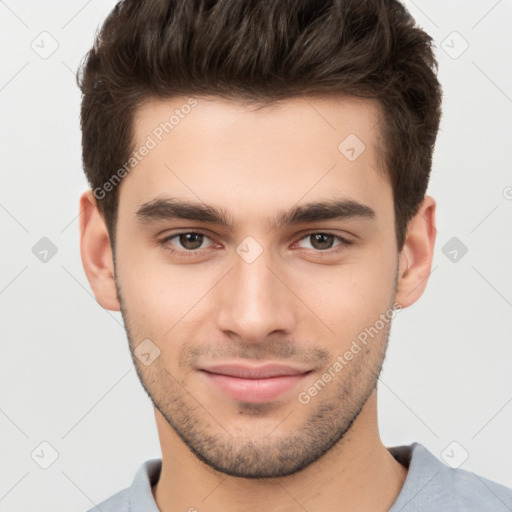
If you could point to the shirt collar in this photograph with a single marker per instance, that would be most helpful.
(141, 496)
(423, 467)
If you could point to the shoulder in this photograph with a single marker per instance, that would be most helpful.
(119, 502)
(138, 497)
(432, 485)
(466, 490)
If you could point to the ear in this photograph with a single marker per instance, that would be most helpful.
(415, 258)
(96, 253)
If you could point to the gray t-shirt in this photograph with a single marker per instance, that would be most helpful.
(430, 486)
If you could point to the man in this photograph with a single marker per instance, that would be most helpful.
(258, 214)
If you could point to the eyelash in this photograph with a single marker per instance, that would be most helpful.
(191, 253)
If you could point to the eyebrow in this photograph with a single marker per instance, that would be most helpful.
(165, 209)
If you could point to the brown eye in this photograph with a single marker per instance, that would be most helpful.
(186, 243)
(191, 241)
(322, 241)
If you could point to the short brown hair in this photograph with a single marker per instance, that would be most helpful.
(262, 51)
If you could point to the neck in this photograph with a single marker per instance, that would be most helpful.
(357, 474)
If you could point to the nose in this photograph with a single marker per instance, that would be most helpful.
(254, 301)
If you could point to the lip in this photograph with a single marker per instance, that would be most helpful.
(256, 384)
(263, 371)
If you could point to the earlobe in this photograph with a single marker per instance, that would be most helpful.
(96, 253)
(415, 260)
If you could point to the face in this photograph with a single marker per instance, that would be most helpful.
(224, 265)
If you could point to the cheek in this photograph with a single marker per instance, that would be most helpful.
(165, 302)
(350, 297)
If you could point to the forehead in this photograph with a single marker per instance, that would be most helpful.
(254, 160)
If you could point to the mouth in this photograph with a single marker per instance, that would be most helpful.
(255, 384)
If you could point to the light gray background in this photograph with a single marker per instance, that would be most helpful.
(66, 374)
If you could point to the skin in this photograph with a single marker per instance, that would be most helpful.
(296, 303)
